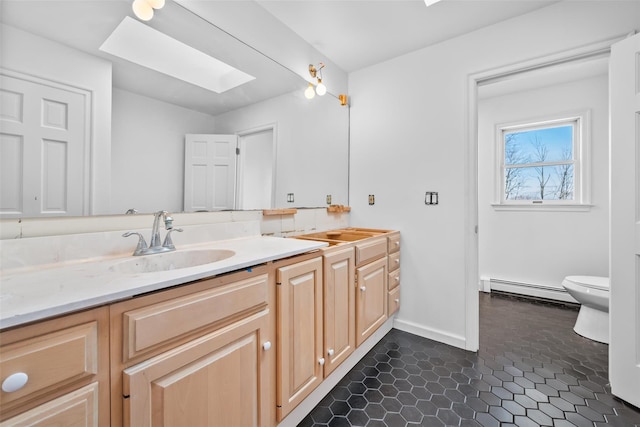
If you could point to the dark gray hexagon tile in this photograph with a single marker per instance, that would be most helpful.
(531, 370)
(375, 411)
(411, 414)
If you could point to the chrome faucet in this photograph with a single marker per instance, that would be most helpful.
(155, 247)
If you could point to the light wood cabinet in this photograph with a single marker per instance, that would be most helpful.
(65, 370)
(216, 380)
(202, 354)
(339, 307)
(371, 298)
(300, 332)
(393, 298)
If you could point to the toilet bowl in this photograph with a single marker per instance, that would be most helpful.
(592, 292)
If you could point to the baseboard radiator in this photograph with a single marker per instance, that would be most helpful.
(522, 288)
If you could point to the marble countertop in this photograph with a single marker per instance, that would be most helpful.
(41, 292)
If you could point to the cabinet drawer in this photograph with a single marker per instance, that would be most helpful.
(394, 279)
(394, 243)
(370, 250)
(393, 300)
(151, 326)
(50, 361)
(394, 261)
(78, 408)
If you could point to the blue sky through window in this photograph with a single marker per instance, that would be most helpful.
(531, 151)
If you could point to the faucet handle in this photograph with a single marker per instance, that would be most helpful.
(142, 244)
(168, 243)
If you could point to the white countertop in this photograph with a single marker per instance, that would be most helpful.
(37, 293)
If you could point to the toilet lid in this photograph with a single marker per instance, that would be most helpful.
(595, 282)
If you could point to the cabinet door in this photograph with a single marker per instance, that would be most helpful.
(219, 379)
(339, 308)
(299, 324)
(371, 298)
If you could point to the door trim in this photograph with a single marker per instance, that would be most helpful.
(273, 127)
(88, 147)
(472, 275)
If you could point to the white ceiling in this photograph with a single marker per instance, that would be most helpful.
(357, 33)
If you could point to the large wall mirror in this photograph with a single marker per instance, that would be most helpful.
(87, 130)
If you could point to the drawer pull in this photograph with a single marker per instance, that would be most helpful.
(397, 243)
(14, 382)
(398, 279)
(397, 261)
(330, 352)
(397, 301)
(321, 361)
(363, 288)
(266, 345)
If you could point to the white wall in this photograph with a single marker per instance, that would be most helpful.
(312, 144)
(409, 135)
(148, 148)
(541, 247)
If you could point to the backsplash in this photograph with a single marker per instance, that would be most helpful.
(37, 242)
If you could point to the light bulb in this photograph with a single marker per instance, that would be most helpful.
(309, 92)
(321, 89)
(142, 9)
(156, 4)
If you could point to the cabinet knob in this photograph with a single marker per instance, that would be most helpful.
(363, 288)
(321, 361)
(330, 352)
(397, 261)
(397, 278)
(14, 382)
(397, 243)
(266, 345)
(397, 301)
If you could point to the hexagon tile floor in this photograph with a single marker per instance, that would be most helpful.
(531, 370)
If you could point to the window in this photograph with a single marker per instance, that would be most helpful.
(543, 163)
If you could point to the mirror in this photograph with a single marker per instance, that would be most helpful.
(135, 119)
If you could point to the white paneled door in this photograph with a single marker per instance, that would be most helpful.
(43, 144)
(624, 347)
(209, 172)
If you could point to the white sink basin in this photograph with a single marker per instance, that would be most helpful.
(171, 260)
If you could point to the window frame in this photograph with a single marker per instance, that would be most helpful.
(581, 122)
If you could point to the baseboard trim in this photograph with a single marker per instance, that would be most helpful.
(430, 333)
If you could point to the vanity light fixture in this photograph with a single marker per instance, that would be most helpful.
(309, 93)
(143, 9)
(430, 2)
(316, 73)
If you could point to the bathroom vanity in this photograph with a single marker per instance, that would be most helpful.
(238, 341)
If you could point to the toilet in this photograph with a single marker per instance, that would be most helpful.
(592, 292)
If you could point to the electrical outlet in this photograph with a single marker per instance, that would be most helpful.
(372, 199)
(431, 198)
(328, 199)
(290, 197)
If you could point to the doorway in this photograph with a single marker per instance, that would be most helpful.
(476, 81)
(256, 171)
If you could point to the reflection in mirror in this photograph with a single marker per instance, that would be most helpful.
(86, 132)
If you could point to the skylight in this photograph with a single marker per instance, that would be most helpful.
(145, 46)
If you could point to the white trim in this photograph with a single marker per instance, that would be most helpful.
(89, 141)
(472, 275)
(542, 207)
(431, 333)
(273, 127)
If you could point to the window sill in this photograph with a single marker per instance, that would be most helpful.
(538, 207)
